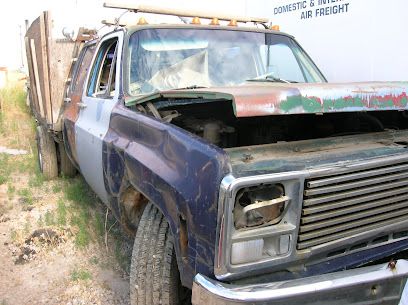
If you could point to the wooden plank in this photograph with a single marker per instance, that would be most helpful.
(37, 78)
(48, 30)
(60, 60)
(60, 53)
(33, 88)
(45, 71)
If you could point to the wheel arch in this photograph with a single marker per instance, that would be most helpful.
(132, 201)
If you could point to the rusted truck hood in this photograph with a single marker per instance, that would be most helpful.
(267, 98)
(302, 155)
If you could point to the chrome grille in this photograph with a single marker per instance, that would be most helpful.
(343, 205)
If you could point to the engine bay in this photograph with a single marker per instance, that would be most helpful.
(215, 122)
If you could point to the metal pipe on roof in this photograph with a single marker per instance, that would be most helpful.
(180, 13)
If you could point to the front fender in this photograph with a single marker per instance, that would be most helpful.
(177, 171)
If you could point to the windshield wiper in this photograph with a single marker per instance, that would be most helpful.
(188, 87)
(269, 78)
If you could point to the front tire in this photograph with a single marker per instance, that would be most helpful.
(154, 276)
(47, 153)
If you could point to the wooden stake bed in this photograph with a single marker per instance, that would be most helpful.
(49, 63)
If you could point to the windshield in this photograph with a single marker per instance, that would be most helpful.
(162, 59)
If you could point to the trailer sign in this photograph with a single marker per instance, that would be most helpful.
(314, 8)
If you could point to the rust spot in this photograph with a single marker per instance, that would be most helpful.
(392, 264)
(374, 290)
(132, 204)
(247, 158)
(183, 237)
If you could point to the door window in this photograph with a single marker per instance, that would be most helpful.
(102, 81)
(81, 69)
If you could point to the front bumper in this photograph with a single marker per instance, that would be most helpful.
(377, 284)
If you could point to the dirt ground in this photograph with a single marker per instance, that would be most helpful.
(58, 243)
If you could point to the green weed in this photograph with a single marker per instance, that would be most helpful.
(56, 188)
(99, 226)
(40, 222)
(80, 275)
(27, 226)
(83, 236)
(5, 169)
(49, 218)
(94, 260)
(2, 129)
(82, 198)
(79, 193)
(11, 189)
(14, 97)
(13, 235)
(26, 196)
(61, 213)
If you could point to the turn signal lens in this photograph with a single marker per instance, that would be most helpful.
(246, 251)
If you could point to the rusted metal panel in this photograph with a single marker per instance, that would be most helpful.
(266, 98)
(181, 174)
(301, 155)
(71, 109)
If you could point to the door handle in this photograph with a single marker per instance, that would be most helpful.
(82, 105)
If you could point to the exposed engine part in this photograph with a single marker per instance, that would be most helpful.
(214, 131)
(216, 122)
(168, 116)
(153, 110)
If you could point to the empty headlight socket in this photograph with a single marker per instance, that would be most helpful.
(259, 205)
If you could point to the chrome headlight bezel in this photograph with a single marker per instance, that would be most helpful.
(293, 183)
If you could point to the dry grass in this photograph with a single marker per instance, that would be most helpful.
(17, 127)
(74, 266)
(74, 205)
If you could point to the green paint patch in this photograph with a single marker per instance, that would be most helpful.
(404, 101)
(382, 104)
(342, 103)
(301, 104)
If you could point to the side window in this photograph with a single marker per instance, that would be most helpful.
(81, 69)
(102, 80)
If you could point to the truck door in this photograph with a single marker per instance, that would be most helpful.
(73, 97)
(99, 97)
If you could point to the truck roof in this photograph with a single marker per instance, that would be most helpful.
(133, 28)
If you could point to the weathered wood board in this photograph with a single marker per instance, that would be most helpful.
(49, 62)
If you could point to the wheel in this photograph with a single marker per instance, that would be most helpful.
(66, 168)
(154, 276)
(47, 153)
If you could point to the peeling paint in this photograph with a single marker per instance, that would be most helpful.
(263, 99)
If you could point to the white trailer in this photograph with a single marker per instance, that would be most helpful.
(350, 40)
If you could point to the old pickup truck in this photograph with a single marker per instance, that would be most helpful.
(242, 174)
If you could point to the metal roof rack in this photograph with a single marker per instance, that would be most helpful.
(181, 13)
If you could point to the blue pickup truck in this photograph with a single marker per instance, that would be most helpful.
(244, 177)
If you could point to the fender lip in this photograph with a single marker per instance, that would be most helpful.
(365, 285)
